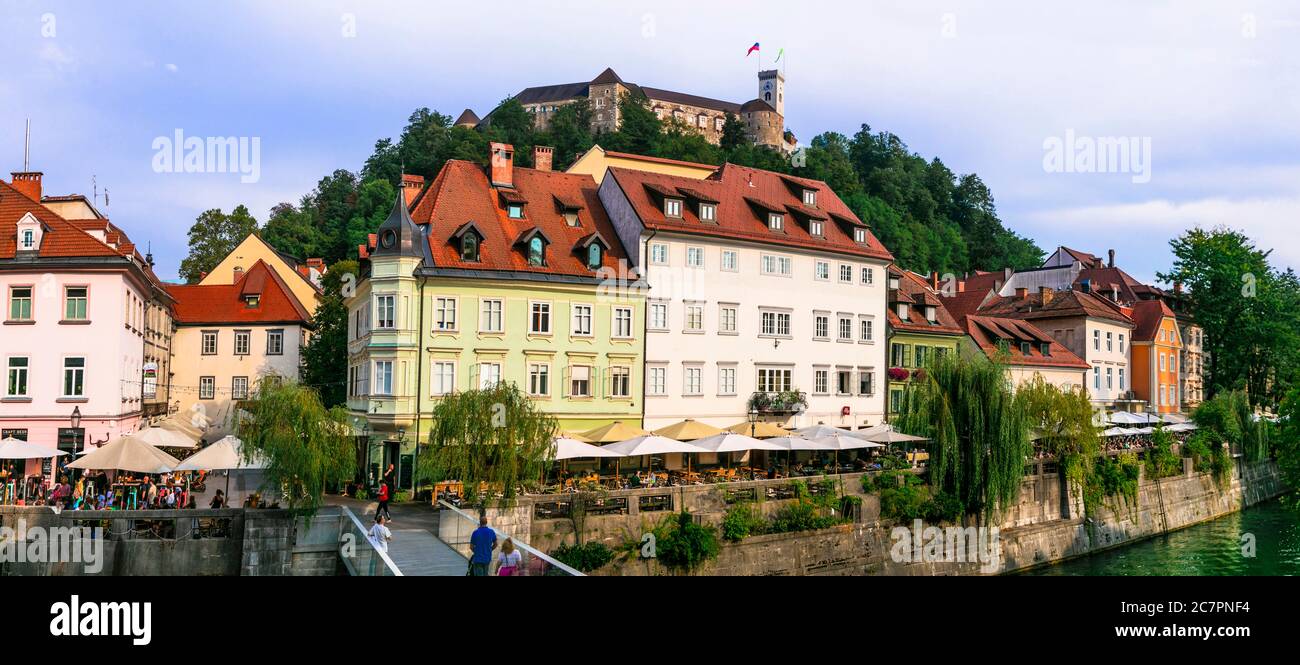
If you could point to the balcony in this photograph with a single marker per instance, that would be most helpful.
(783, 403)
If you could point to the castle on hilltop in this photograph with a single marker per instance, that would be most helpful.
(764, 116)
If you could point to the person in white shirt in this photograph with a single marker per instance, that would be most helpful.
(380, 534)
(508, 560)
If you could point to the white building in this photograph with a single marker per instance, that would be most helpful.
(759, 284)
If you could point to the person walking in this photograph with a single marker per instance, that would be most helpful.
(383, 502)
(218, 501)
(482, 542)
(509, 559)
(379, 536)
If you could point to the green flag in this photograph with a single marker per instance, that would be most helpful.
(779, 53)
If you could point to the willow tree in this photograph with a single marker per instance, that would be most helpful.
(493, 439)
(1064, 422)
(978, 430)
(304, 445)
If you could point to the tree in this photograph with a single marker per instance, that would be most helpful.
(305, 446)
(373, 204)
(569, 132)
(639, 128)
(292, 230)
(1288, 445)
(496, 437)
(325, 358)
(213, 236)
(734, 135)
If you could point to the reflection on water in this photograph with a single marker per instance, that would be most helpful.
(1213, 548)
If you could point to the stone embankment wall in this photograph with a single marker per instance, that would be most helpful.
(1045, 525)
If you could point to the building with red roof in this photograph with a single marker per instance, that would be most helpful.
(920, 328)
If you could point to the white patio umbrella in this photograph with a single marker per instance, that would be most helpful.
(165, 437)
(224, 454)
(797, 442)
(892, 435)
(821, 431)
(1181, 427)
(730, 442)
(568, 448)
(845, 441)
(127, 453)
(1115, 431)
(11, 448)
(651, 444)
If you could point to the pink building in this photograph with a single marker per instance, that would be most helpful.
(81, 309)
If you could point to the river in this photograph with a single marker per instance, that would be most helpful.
(1212, 548)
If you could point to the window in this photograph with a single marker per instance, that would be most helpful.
(821, 382)
(822, 271)
(489, 375)
(846, 274)
(444, 314)
(1121, 342)
(726, 380)
(383, 377)
(694, 317)
(29, 238)
(657, 380)
(492, 316)
(385, 312)
(659, 316)
(866, 382)
(729, 261)
(868, 276)
(695, 257)
(622, 322)
(922, 353)
(898, 355)
(17, 383)
(1096, 378)
(1109, 345)
(582, 320)
(74, 303)
(20, 303)
(242, 344)
(694, 377)
(444, 377)
(1096, 340)
(845, 329)
(727, 319)
(1121, 378)
(776, 265)
(540, 321)
(539, 379)
(776, 324)
(673, 208)
(239, 387)
(620, 382)
(810, 198)
(207, 387)
(1109, 382)
(774, 380)
(903, 310)
(580, 381)
(515, 211)
(821, 326)
(775, 221)
(865, 331)
(536, 252)
(708, 212)
(209, 345)
(815, 228)
(659, 254)
(860, 235)
(1162, 362)
(469, 247)
(593, 256)
(843, 382)
(274, 342)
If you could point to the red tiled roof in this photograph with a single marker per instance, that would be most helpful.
(61, 238)
(1103, 280)
(1088, 260)
(739, 191)
(1148, 314)
(1063, 304)
(461, 193)
(216, 304)
(966, 302)
(986, 330)
(913, 290)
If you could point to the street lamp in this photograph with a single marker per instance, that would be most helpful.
(753, 424)
(76, 417)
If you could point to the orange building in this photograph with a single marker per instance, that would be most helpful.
(1156, 348)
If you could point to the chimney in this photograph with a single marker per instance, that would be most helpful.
(239, 273)
(502, 168)
(934, 281)
(961, 286)
(1022, 293)
(27, 182)
(1046, 293)
(542, 157)
(411, 186)
(1112, 259)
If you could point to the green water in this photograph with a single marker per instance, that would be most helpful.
(1212, 548)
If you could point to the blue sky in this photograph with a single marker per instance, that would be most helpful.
(1213, 87)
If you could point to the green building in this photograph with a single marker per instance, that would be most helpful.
(920, 328)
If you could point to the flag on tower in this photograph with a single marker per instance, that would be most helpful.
(780, 52)
(751, 49)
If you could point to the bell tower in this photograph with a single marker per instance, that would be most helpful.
(771, 89)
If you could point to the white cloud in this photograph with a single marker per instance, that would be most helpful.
(52, 54)
(171, 68)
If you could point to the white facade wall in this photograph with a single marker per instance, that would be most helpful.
(675, 351)
(190, 365)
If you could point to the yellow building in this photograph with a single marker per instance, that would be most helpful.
(596, 161)
(303, 279)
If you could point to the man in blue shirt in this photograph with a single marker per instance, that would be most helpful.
(481, 542)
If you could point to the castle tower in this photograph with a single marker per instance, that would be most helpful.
(771, 89)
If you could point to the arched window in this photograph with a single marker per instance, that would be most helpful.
(469, 247)
(593, 256)
(536, 252)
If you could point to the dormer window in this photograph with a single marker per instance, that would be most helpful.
(775, 221)
(28, 234)
(810, 198)
(571, 218)
(903, 311)
(515, 211)
(469, 247)
(29, 239)
(893, 282)
(252, 302)
(931, 313)
(1024, 348)
(673, 208)
(595, 255)
(815, 228)
(1045, 348)
(860, 235)
(536, 251)
(708, 212)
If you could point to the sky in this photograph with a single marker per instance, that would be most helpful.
(1203, 96)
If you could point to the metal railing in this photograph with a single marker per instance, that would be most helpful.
(534, 563)
(360, 556)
